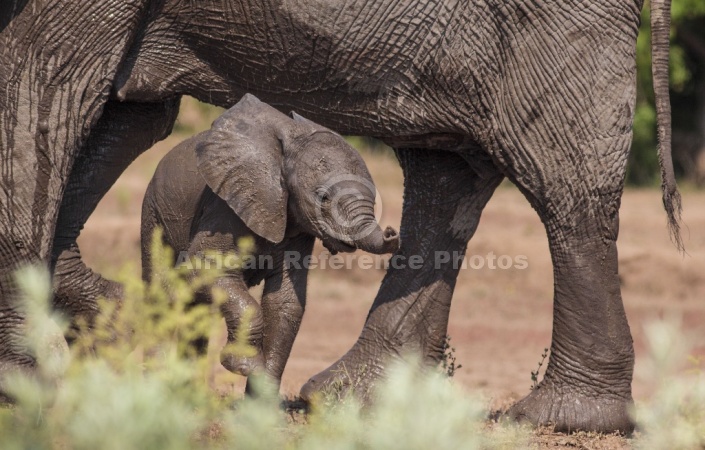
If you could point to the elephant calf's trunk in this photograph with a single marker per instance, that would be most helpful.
(380, 242)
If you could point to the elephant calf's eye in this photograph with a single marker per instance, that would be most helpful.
(323, 196)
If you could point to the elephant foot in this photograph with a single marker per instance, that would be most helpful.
(567, 410)
(356, 373)
(77, 289)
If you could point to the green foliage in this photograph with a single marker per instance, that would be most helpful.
(674, 416)
(414, 410)
(133, 382)
(687, 9)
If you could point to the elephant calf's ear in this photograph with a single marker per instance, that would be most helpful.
(242, 164)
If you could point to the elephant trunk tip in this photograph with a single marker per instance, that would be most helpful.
(378, 241)
(391, 240)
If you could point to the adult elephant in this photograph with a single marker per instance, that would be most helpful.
(540, 92)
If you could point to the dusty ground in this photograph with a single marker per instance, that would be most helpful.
(500, 320)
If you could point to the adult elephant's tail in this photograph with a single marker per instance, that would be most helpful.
(660, 32)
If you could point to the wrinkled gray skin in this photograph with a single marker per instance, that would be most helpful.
(467, 92)
(282, 181)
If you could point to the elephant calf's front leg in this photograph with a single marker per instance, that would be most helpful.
(234, 357)
(283, 304)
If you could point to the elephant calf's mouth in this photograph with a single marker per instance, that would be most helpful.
(337, 246)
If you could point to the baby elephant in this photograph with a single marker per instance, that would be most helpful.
(282, 180)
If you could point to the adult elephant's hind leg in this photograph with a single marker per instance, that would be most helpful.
(123, 132)
(587, 385)
(443, 199)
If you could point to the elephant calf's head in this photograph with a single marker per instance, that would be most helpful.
(272, 169)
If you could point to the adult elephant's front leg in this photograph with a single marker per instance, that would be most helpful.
(124, 131)
(443, 199)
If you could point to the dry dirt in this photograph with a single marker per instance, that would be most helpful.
(500, 320)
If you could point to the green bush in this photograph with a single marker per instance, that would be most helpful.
(133, 382)
(674, 416)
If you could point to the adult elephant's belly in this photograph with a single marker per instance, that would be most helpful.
(354, 83)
